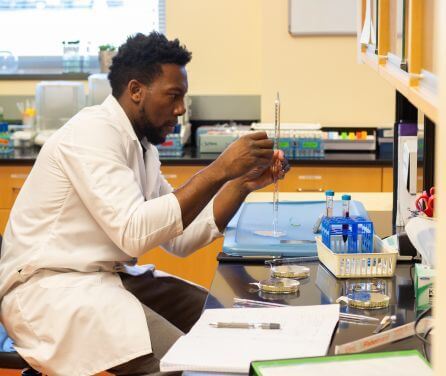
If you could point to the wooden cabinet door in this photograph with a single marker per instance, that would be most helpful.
(12, 179)
(4, 215)
(387, 178)
(200, 266)
(340, 179)
(178, 175)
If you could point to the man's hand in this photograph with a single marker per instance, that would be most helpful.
(253, 151)
(258, 178)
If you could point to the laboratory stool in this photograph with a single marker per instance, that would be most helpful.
(12, 360)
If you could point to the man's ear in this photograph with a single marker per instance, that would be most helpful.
(136, 90)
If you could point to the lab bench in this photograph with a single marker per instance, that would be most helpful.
(351, 172)
(321, 287)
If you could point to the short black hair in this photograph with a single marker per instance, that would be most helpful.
(141, 57)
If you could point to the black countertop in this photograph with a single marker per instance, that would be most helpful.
(233, 280)
(192, 157)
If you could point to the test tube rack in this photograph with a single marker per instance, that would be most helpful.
(347, 235)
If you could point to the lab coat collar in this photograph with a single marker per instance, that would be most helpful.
(113, 105)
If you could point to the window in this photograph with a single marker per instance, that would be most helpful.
(35, 30)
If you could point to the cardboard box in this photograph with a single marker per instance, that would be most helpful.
(424, 286)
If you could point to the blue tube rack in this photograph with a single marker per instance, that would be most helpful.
(347, 235)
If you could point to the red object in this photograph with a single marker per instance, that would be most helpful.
(425, 203)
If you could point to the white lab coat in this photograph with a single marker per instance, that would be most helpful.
(89, 207)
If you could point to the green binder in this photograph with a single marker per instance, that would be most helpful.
(411, 359)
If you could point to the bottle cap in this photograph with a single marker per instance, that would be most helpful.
(329, 193)
(346, 197)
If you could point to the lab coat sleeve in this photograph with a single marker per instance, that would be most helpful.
(107, 186)
(199, 233)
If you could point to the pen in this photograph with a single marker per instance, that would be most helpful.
(257, 303)
(245, 325)
(357, 318)
(291, 260)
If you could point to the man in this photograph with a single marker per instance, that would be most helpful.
(95, 201)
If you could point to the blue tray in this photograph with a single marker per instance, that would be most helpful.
(296, 220)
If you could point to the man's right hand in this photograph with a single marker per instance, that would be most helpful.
(254, 150)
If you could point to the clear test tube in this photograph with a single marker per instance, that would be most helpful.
(346, 205)
(346, 214)
(329, 194)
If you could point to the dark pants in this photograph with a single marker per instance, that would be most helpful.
(171, 306)
(176, 300)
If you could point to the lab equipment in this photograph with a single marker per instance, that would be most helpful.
(8, 62)
(278, 285)
(425, 202)
(347, 235)
(56, 103)
(71, 59)
(380, 263)
(246, 325)
(241, 240)
(360, 319)
(385, 322)
(99, 88)
(290, 271)
(23, 138)
(172, 146)
(370, 286)
(365, 300)
(407, 172)
(308, 145)
(360, 139)
(275, 167)
(6, 145)
(346, 214)
(329, 194)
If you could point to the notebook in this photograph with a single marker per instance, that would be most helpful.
(304, 331)
(405, 363)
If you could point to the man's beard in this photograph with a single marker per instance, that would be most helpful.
(153, 134)
(147, 129)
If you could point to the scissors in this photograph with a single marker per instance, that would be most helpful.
(425, 202)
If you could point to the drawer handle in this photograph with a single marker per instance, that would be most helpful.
(309, 190)
(19, 176)
(170, 176)
(309, 177)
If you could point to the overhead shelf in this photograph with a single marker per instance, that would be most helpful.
(402, 26)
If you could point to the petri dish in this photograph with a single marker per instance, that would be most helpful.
(367, 300)
(290, 271)
(279, 286)
(369, 286)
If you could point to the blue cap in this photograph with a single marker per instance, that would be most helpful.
(346, 197)
(329, 193)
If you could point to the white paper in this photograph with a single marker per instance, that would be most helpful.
(305, 331)
(399, 365)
